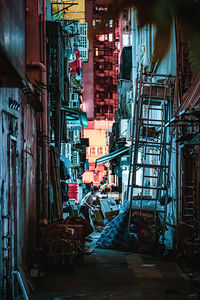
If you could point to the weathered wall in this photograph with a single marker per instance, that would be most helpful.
(10, 183)
(18, 162)
(29, 175)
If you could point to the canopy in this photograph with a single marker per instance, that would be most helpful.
(67, 162)
(76, 116)
(112, 155)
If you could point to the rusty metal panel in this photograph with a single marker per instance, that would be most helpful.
(12, 42)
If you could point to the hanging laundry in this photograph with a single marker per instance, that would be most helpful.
(75, 66)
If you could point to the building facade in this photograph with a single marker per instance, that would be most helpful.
(100, 76)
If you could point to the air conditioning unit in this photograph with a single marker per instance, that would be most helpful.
(76, 137)
(75, 158)
(129, 129)
(129, 96)
(123, 127)
(74, 100)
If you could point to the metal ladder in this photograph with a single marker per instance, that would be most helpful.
(150, 151)
(190, 205)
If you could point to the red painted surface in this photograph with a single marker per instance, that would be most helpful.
(36, 70)
(73, 190)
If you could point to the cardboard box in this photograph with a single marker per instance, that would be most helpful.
(99, 218)
(111, 214)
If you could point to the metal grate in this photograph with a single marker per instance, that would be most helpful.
(83, 41)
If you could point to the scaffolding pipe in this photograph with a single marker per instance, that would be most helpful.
(21, 283)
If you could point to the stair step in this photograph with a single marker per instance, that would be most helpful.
(144, 199)
(148, 210)
(188, 215)
(151, 120)
(155, 108)
(158, 154)
(148, 187)
(149, 176)
(150, 165)
(189, 208)
(189, 187)
(153, 144)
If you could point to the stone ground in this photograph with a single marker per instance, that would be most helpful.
(108, 274)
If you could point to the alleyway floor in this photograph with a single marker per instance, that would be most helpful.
(108, 274)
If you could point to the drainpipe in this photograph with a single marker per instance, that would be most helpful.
(42, 68)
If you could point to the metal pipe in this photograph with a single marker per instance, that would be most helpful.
(21, 283)
(42, 68)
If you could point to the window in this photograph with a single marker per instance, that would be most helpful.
(96, 51)
(97, 95)
(110, 23)
(110, 37)
(102, 37)
(110, 94)
(93, 150)
(108, 65)
(108, 51)
(125, 15)
(101, 150)
(102, 8)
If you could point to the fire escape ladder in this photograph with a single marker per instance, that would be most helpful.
(150, 151)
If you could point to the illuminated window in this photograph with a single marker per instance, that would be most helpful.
(110, 23)
(125, 39)
(110, 37)
(96, 51)
(102, 37)
(97, 150)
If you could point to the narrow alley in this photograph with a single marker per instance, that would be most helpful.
(100, 149)
(109, 274)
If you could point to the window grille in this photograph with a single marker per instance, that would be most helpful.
(83, 41)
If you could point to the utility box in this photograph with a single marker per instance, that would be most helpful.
(123, 127)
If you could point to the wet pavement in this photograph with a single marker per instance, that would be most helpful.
(108, 274)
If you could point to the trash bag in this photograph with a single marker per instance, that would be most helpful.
(64, 191)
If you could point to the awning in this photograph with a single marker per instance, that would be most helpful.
(67, 162)
(76, 116)
(112, 155)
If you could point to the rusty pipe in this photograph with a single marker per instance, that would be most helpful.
(42, 68)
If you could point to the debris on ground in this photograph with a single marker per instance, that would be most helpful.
(63, 241)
